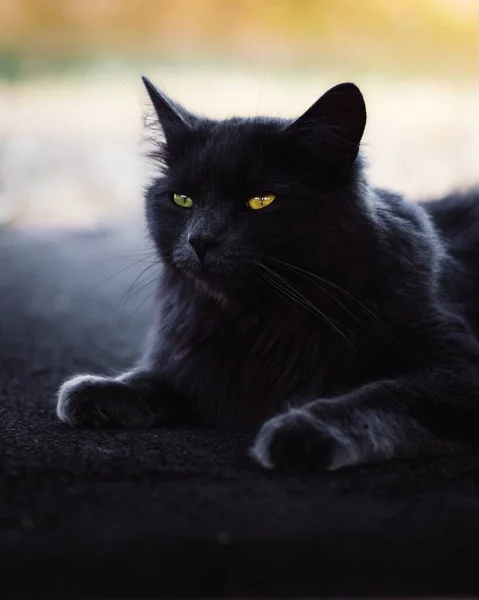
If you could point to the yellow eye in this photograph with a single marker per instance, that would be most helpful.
(182, 200)
(258, 202)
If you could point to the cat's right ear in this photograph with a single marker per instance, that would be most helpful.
(173, 118)
(335, 124)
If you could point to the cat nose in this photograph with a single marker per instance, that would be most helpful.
(202, 245)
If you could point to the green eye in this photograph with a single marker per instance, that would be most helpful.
(182, 200)
(259, 202)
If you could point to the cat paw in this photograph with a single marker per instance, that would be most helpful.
(297, 441)
(92, 401)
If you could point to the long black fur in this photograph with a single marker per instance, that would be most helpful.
(341, 321)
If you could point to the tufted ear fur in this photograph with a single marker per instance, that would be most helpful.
(172, 117)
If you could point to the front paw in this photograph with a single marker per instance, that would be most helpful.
(300, 442)
(92, 401)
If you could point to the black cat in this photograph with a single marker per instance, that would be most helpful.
(337, 319)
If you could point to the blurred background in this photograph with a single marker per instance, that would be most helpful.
(71, 101)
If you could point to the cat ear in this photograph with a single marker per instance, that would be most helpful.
(172, 117)
(336, 122)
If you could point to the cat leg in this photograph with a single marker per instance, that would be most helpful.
(409, 416)
(136, 399)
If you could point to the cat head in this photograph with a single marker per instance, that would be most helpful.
(237, 197)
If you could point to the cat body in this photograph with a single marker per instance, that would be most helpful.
(294, 299)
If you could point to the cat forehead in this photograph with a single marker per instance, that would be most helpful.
(228, 150)
(237, 134)
(248, 125)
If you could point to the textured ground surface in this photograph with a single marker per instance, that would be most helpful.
(183, 512)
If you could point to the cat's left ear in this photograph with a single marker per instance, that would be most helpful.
(173, 118)
(336, 123)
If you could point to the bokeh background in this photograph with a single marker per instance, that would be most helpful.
(71, 102)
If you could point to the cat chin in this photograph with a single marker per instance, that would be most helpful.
(207, 288)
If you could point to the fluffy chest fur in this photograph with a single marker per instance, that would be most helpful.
(234, 368)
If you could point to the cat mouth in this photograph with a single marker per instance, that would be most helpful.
(206, 269)
(210, 275)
